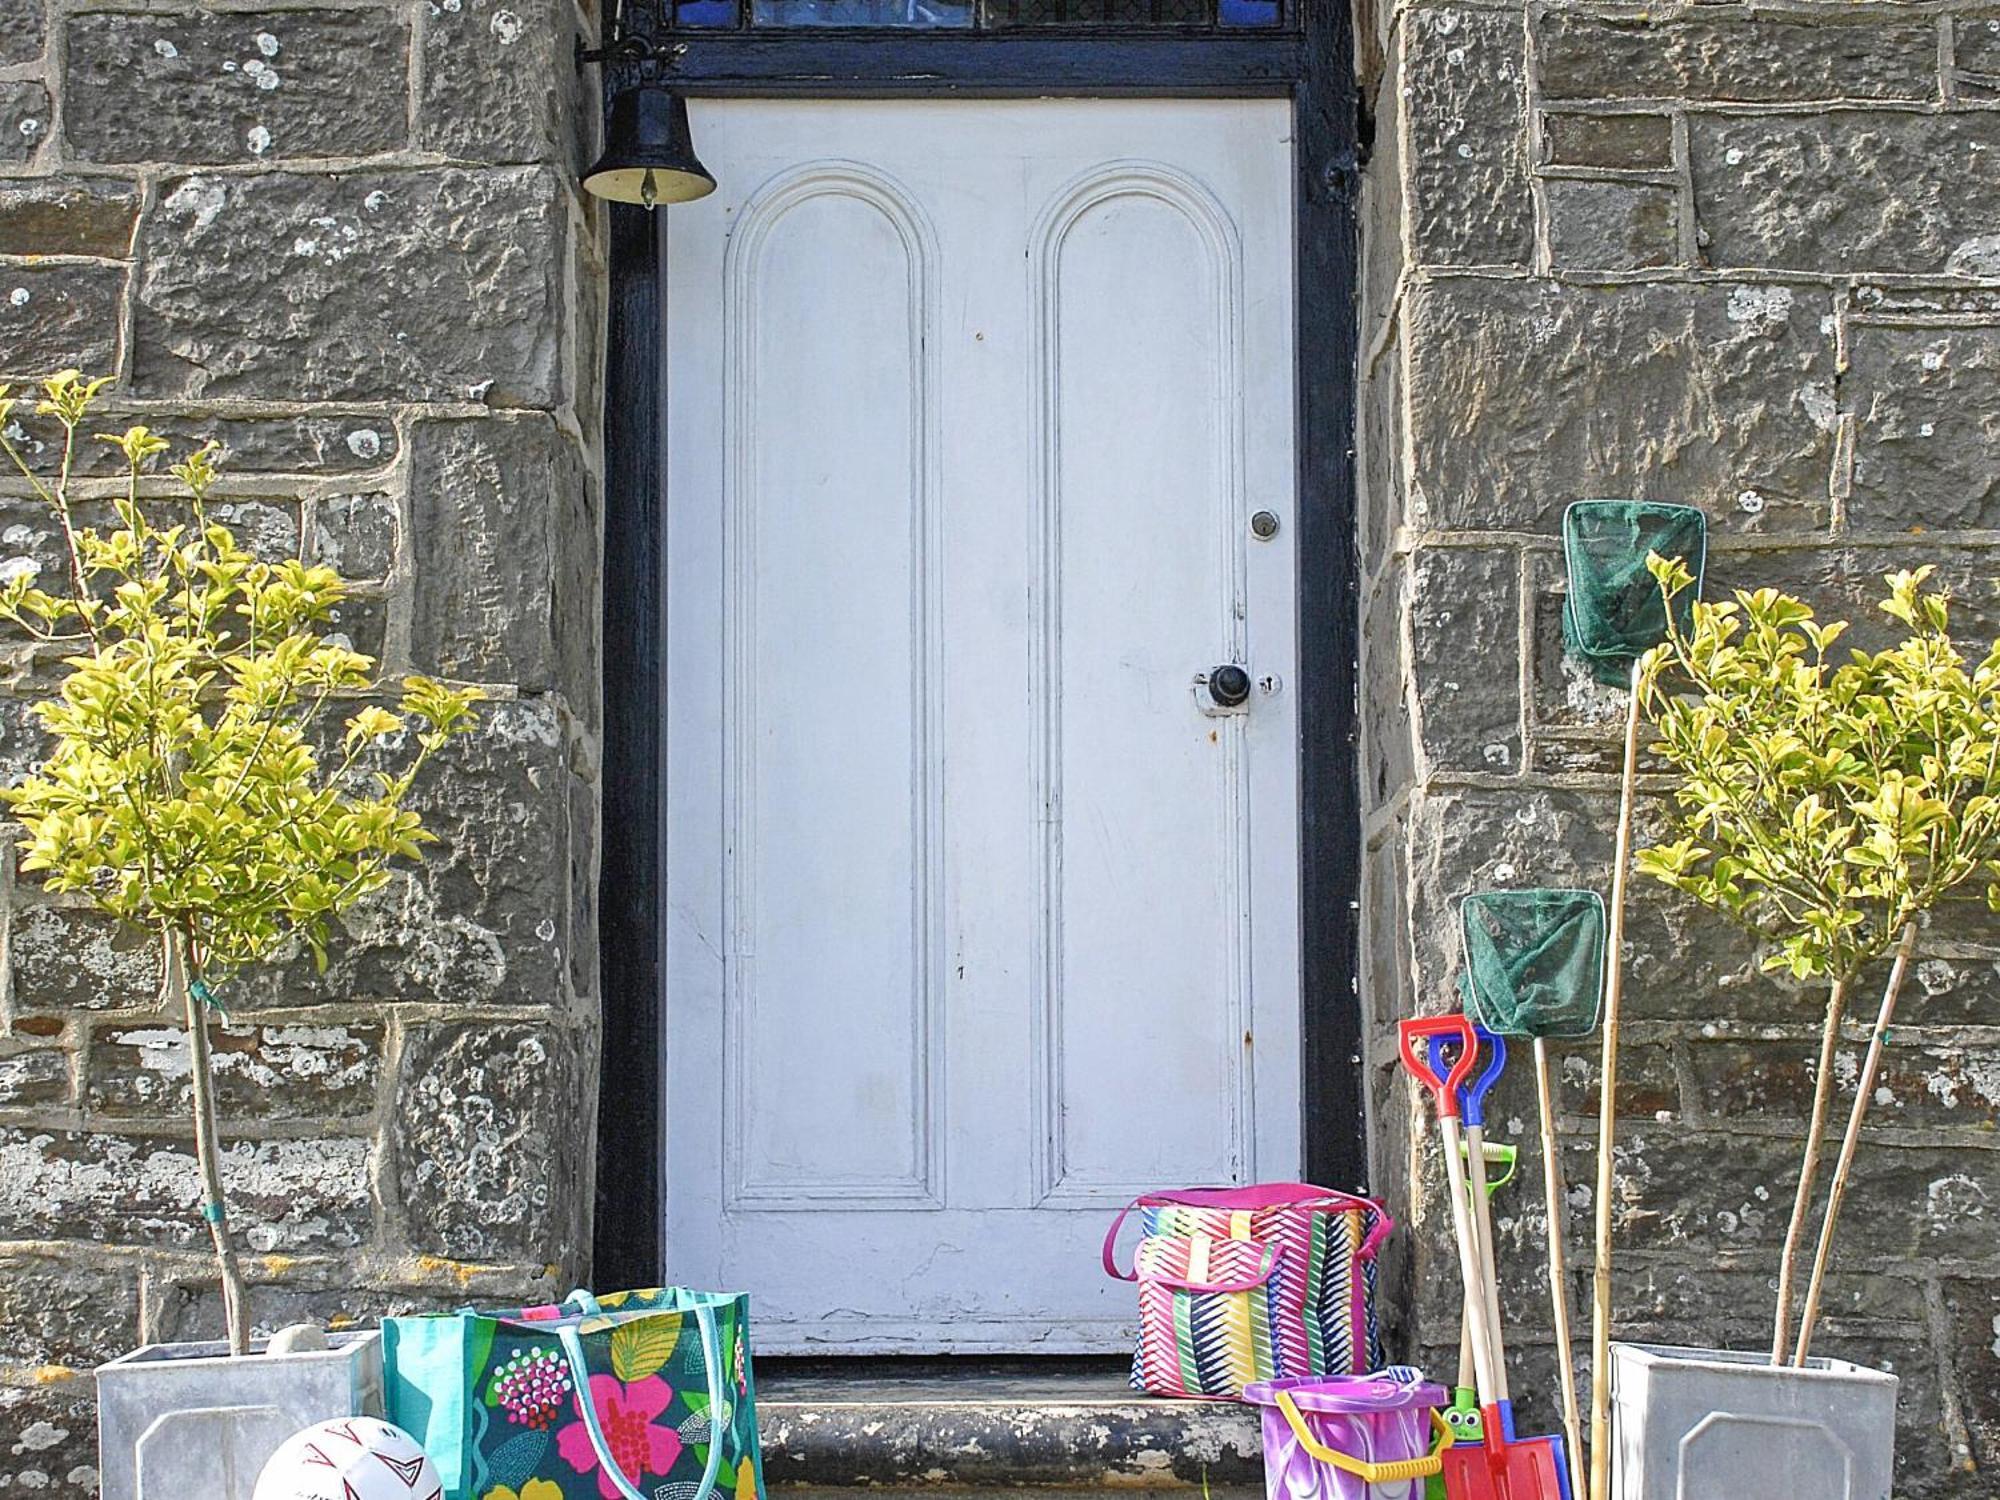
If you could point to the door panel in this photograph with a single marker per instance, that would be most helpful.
(831, 814)
(981, 918)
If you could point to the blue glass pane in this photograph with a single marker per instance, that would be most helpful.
(1106, 13)
(918, 13)
(705, 13)
(1248, 12)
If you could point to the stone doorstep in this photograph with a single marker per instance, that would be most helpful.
(988, 1425)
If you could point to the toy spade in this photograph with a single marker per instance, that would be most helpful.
(1501, 1467)
(1462, 1416)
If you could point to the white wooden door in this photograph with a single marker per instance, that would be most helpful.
(983, 919)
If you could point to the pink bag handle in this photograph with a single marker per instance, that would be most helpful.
(1257, 1195)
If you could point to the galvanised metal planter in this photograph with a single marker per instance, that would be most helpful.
(1709, 1422)
(181, 1421)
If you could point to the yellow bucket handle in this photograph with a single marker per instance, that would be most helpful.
(1367, 1473)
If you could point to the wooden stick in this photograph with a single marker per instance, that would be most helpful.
(1552, 1191)
(1468, 1261)
(1877, 1040)
(1829, 1046)
(1489, 1264)
(1465, 1380)
(1614, 978)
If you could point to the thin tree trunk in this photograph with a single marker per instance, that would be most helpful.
(208, 1150)
(1870, 1066)
(1607, 1119)
(1829, 1046)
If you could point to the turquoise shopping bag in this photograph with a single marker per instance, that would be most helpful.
(641, 1395)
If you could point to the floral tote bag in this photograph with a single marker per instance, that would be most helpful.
(642, 1395)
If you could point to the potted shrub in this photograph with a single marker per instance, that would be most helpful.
(1827, 806)
(221, 774)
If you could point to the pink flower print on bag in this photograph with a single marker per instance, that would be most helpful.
(625, 1413)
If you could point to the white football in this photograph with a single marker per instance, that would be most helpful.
(350, 1458)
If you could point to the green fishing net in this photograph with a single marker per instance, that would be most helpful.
(1614, 612)
(1534, 961)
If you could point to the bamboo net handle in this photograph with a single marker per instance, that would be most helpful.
(1607, 1109)
(1558, 1211)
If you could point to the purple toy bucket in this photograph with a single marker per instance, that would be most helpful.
(1365, 1437)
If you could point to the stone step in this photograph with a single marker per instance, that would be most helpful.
(1057, 1426)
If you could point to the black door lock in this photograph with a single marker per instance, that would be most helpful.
(1229, 685)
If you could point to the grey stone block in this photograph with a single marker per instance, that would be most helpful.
(23, 743)
(498, 84)
(1465, 629)
(56, 317)
(25, 115)
(1387, 745)
(482, 920)
(429, 286)
(23, 32)
(284, 1196)
(1975, 46)
(1617, 141)
(244, 86)
(42, 217)
(356, 534)
(1613, 226)
(1933, 1086)
(1722, 397)
(585, 817)
(1846, 583)
(286, 1071)
(1379, 458)
(48, 1440)
(491, 504)
(38, 1076)
(69, 959)
(1927, 436)
(1847, 192)
(1972, 1308)
(311, 443)
(1463, 89)
(74, 1310)
(1768, 59)
(361, 620)
(486, 1147)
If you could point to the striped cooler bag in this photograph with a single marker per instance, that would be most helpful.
(1271, 1282)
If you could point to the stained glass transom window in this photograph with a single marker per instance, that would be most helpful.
(984, 15)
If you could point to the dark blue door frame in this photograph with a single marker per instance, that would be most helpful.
(1313, 65)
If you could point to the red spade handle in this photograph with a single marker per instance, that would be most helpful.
(1410, 1034)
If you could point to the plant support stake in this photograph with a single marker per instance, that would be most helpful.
(1829, 1045)
(1877, 1040)
(1607, 1110)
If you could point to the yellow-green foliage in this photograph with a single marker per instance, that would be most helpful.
(186, 790)
(1824, 804)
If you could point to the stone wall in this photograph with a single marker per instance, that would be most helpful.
(344, 237)
(1745, 259)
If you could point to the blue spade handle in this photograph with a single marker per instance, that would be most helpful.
(1472, 1097)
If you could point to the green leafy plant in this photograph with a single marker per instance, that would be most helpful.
(1826, 806)
(200, 782)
